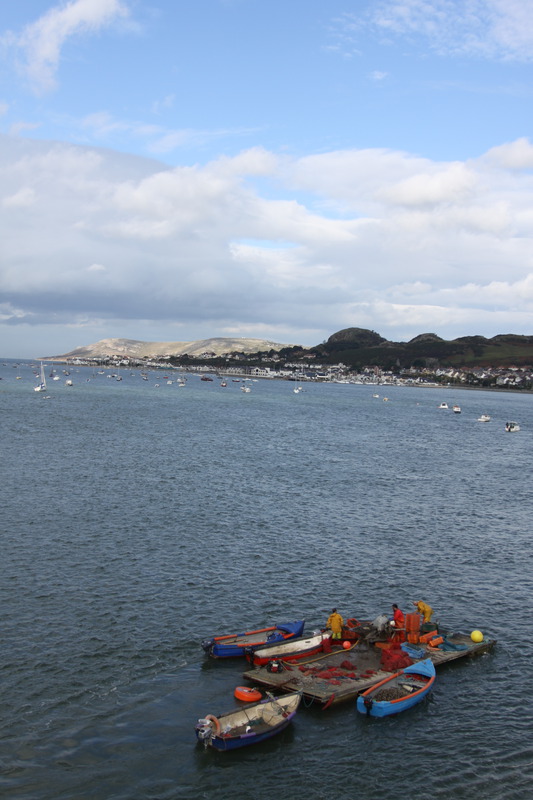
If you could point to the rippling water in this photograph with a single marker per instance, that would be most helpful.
(138, 519)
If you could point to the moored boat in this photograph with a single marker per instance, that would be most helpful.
(398, 692)
(290, 650)
(41, 387)
(512, 427)
(443, 405)
(248, 725)
(456, 409)
(484, 418)
(234, 644)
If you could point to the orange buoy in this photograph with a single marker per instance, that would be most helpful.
(247, 694)
(346, 645)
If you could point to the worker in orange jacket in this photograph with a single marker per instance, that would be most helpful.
(398, 616)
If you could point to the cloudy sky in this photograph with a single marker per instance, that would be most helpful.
(176, 170)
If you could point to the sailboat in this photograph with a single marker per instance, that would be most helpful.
(41, 387)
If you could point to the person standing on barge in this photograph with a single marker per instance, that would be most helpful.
(425, 609)
(335, 623)
(398, 616)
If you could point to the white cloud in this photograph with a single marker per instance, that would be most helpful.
(494, 29)
(372, 238)
(42, 41)
(450, 184)
(514, 155)
(20, 127)
(24, 197)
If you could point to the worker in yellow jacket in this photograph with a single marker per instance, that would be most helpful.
(335, 623)
(424, 609)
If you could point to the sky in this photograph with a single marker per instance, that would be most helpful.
(174, 170)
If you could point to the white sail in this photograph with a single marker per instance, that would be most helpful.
(41, 387)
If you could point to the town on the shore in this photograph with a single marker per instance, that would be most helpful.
(306, 370)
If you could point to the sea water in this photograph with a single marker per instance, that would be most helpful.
(140, 517)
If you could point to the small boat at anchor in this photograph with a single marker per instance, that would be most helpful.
(484, 418)
(248, 725)
(456, 409)
(512, 427)
(398, 692)
(443, 405)
(41, 387)
(289, 650)
(234, 644)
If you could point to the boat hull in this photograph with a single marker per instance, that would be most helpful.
(235, 645)
(252, 725)
(291, 650)
(367, 702)
(246, 739)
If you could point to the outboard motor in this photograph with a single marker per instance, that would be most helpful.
(203, 730)
(368, 705)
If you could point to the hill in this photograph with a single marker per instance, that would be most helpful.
(133, 348)
(355, 347)
(358, 347)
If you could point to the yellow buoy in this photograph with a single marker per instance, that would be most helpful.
(476, 636)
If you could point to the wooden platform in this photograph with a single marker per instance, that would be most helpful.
(302, 676)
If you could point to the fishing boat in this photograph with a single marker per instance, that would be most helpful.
(234, 644)
(290, 650)
(398, 692)
(248, 725)
(512, 427)
(41, 386)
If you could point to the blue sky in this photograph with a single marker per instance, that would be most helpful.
(174, 171)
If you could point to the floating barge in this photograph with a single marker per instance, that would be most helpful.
(342, 675)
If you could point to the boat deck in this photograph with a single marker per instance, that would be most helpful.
(361, 670)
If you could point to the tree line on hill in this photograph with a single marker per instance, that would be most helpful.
(359, 348)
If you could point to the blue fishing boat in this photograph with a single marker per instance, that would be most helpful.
(248, 725)
(236, 644)
(398, 692)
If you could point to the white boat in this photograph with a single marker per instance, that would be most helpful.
(245, 389)
(443, 405)
(41, 387)
(483, 418)
(512, 427)
(456, 409)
